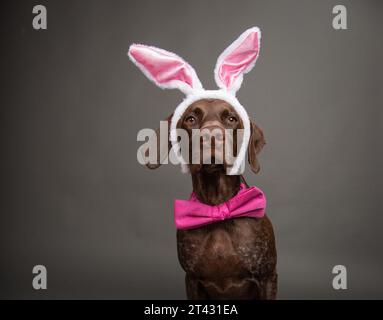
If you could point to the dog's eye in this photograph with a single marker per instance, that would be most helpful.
(232, 119)
(190, 119)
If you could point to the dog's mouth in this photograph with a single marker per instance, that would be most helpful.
(207, 168)
(211, 168)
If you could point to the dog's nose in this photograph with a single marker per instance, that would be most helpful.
(207, 132)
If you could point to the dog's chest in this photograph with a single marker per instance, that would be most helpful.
(232, 248)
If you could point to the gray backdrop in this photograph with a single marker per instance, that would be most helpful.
(75, 199)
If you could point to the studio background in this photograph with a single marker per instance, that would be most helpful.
(75, 199)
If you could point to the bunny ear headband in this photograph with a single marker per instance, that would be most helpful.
(169, 71)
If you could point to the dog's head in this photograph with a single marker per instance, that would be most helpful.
(213, 112)
(206, 122)
(213, 119)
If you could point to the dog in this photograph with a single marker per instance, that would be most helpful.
(234, 258)
(225, 243)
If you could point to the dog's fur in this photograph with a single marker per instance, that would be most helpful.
(235, 258)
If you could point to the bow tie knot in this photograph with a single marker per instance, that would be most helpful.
(222, 211)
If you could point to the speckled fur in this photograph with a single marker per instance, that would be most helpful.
(232, 259)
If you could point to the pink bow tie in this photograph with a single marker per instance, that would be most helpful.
(249, 202)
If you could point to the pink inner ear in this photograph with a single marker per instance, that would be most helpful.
(161, 65)
(235, 63)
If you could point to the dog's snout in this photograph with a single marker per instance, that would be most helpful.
(208, 132)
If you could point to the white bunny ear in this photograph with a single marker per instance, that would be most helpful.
(165, 69)
(237, 59)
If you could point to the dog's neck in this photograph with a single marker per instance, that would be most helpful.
(215, 187)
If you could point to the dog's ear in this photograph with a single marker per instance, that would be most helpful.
(256, 143)
(163, 147)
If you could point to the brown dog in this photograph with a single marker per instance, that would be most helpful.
(235, 258)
